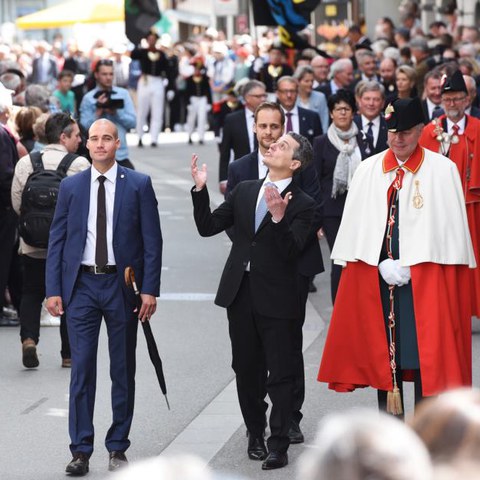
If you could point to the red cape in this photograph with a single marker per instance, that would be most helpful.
(356, 349)
(466, 155)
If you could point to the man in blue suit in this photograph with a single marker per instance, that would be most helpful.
(106, 219)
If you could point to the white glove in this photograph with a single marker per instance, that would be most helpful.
(404, 273)
(393, 273)
(170, 95)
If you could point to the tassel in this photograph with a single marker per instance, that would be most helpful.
(394, 402)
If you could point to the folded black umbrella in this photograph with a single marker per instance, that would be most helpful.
(147, 330)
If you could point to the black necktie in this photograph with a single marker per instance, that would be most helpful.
(369, 135)
(101, 251)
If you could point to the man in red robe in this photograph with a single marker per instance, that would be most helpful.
(457, 136)
(403, 306)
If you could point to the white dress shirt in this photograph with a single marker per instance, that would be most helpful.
(295, 119)
(375, 127)
(90, 245)
(262, 168)
(280, 184)
(461, 125)
(431, 108)
(250, 119)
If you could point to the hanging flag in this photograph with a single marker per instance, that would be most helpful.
(291, 16)
(140, 16)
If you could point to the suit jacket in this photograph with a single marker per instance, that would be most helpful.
(52, 71)
(310, 126)
(246, 168)
(325, 158)
(272, 251)
(318, 104)
(381, 144)
(235, 137)
(137, 239)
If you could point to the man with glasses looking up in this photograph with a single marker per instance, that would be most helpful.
(297, 119)
(114, 104)
(238, 138)
(457, 136)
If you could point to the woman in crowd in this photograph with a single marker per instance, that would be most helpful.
(405, 81)
(24, 121)
(309, 98)
(336, 155)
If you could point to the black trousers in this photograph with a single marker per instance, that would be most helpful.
(260, 342)
(8, 232)
(126, 163)
(33, 295)
(330, 227)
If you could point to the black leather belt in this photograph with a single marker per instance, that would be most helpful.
(107, 269)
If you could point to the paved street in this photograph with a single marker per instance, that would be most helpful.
(193, 341)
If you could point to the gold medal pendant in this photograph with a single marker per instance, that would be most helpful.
(417, 197)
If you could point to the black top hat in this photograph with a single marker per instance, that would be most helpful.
(403, 114)
(455, 83)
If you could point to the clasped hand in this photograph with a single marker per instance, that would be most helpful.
(393, 273)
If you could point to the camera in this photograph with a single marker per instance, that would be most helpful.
(111, 103)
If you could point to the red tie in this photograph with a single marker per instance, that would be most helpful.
(455, 129)
(398, 182)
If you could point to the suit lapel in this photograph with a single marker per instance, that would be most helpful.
(85, 186)
(119, 188)
(251, 206)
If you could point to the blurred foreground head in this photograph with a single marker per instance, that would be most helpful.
(449, 425)
(365, 445)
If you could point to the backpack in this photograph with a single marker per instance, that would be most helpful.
(39, 198)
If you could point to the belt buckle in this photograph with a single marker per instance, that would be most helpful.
(95, 268)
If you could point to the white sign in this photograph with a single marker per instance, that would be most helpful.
(225, 7)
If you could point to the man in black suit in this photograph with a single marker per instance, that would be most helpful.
(367, 68)
(271, 223)
(432, 88)
(238, 133)
(370, 98)
(268, 127)
(44, 67)
(297, 119)
(341, 76)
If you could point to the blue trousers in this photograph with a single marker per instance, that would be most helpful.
(96, 297)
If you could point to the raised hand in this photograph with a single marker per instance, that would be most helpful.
(199, 175)
(275, 203)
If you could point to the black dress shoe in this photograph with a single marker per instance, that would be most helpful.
(78, 465)
(295, 434)
(256, 448)
(117, 460)
(312, 288)
(275, 460)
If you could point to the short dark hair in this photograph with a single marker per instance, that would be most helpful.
(341, 95)
(65, 73)
(304, 152)
(103, 62)
(270, 106)
(57, 124)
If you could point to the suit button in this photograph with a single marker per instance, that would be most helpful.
(254, 244)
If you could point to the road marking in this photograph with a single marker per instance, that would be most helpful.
(57, 412)
(32, 407)
(206, 435)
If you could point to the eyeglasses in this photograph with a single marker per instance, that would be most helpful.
(287, 92)
(342, 109)
(453, 100)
